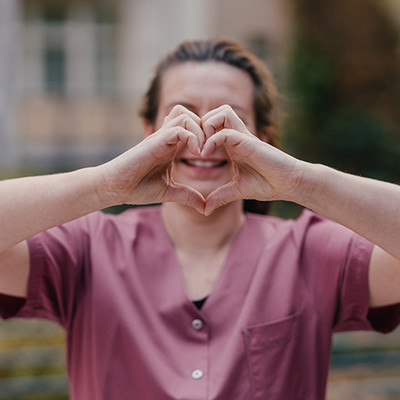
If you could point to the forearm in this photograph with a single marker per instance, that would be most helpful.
(366, 206)
(33, 204)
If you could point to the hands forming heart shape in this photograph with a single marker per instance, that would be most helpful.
(143, 175)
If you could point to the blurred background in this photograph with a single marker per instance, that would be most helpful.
(72, 74)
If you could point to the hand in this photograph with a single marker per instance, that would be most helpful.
(142, 175)
(262, 172)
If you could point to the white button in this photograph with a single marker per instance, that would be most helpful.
(197, 324)
(197, 374)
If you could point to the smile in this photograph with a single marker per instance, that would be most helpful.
(204, 163)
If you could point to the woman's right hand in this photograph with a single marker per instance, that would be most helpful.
(142, 175)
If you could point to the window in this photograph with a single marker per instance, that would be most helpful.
(70, 47)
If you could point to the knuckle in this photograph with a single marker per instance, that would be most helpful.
(227, 108)
(179, 129)
(179, 109)
(184, 120)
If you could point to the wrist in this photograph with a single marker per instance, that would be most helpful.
(105, 187)
(306, 179)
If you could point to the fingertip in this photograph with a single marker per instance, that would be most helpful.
(210, 205)
(200, 210)
(194, 146)
(207, 149)
(208, 211)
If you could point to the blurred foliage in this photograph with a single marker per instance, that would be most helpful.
(361, 143)
(344, 82)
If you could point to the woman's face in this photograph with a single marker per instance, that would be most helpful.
(202, 87)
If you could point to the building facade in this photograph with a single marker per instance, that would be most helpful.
(73, 73)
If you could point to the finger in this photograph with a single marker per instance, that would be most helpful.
(180, 134)
(224, 137)
(220, 118)
(186, 196)
(164, 142)
(221, 196)
(238, 145)
(184, 121)
(179, 110)
(218, 110)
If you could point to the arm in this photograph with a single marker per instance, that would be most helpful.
(30, 205)
(139, 176)
(368, 207)
(33, 204)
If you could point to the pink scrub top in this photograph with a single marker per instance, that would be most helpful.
(114, 283)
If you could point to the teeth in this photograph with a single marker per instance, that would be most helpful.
(204, 164)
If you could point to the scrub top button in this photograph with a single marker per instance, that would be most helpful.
(197, 324)
(197, 374)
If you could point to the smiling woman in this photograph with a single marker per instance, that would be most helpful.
(243, 82)
(204, 87)
(197, 298)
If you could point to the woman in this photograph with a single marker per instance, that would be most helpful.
(198, 299)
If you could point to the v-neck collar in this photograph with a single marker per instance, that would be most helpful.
(232, 265)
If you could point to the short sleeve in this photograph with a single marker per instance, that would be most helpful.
(354, 312)
(57, 274)
(339, 260)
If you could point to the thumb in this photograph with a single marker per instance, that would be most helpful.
(186, 196)
(221, 196)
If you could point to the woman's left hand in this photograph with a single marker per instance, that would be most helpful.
(262, 172)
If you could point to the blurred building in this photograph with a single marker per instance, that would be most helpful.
(72, 73)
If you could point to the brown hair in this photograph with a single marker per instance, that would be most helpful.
(231, 53)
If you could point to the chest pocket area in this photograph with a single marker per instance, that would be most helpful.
(274, 367)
